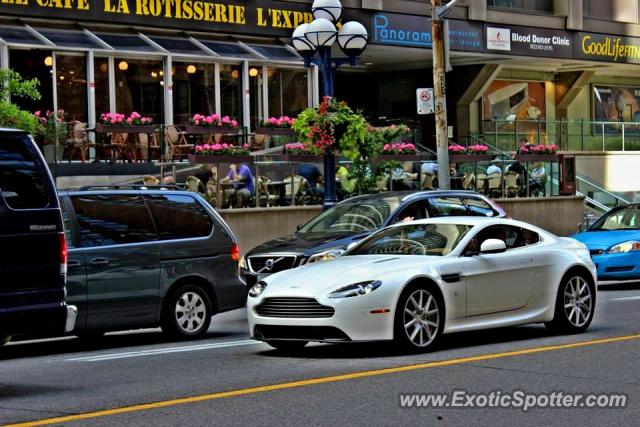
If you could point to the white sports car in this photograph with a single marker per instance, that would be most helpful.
(415, 281)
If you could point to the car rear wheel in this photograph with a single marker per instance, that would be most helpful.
(287, 345)
(187, 313)
(418, 319)
(575, 305)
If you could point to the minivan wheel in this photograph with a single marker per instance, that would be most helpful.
(187, 313)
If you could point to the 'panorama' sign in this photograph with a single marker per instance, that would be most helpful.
(264, 17)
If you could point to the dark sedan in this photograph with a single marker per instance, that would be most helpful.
(328, 234)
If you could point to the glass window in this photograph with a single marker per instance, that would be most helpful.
(447, 206)
(229, 50)
(418, 239)
(70, 38)
(21, 180)
(18, 35)
(535, 5)
(101, 75)
(112, 219)
(275, 52)
(414, 211)
(71, 84)
(193, 91)
(507, 233)
(478, 207)
(255, 95)
(140, 87)
(353, 217)
(67, 224)
(179, 217)
(183, 46)
(34, 64)
(288, 94)
(627, 218)
(529, 237)
(231, 91)
(616, 104)
(126, 42)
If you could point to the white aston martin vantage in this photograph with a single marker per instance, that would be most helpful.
(413, 282)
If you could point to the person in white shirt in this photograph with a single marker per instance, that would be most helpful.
(430, 168)
(493, 168)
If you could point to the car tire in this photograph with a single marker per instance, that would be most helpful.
(419, 319)
(575, 305)
(284, 345)
(187, 313)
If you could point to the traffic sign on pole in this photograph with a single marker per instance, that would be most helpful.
(424, 98)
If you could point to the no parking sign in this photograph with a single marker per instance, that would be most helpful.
(424, 96)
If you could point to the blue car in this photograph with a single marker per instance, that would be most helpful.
(614, 243)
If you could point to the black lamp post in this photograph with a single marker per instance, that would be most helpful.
(313, 41)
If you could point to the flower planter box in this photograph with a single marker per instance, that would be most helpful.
(102, 128)
(469, 158)
(398, 157)
(274, 131)
(203, 130)
(301, 158)
(537, 157)
(213, 158)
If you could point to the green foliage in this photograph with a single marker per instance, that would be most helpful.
(13, 117)
(12, 84)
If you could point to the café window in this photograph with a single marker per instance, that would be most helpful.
(513, 100)
(545, 6)
(140, 87)
(36, 64)
(288, 93)
(101, 78)
(193, 90)
(71, 86)
(616, 104)
(256, 97)
(231, 91)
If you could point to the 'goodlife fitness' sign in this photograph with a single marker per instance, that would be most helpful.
(528, 41)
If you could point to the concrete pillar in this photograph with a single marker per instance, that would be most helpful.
(168, 91)
(477, 10)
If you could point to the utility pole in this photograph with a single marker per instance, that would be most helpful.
(439, 90)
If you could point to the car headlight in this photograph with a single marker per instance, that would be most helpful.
(327, 255)
(257, 289)
(623, 247)
(356, 289)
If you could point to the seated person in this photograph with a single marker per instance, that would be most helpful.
(312, 174)
(494, 168)
(243, 184)
(346, 185)
(537, 178)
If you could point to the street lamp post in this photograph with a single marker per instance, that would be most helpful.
(313, 41)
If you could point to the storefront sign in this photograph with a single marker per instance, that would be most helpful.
(601, 47)
(528, 41)
(424, 98)
(276, 18)
(415, 31)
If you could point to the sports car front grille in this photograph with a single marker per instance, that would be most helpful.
(294, 308)
(271, 264)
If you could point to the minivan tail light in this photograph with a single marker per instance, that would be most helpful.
(64, 253)
(235, 252)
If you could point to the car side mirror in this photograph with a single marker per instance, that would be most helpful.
(493, 246)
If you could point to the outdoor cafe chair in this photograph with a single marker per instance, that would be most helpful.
(176, 142)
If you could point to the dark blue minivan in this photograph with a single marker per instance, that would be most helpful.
(33, 261)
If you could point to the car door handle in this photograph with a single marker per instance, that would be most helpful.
(73, 263)
(96, 262)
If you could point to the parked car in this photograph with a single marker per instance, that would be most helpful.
(413, 282)
(614, 242)
(143, 258)
(33, 264)
(328, 234)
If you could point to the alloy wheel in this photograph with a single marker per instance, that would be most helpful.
(421, 318)
(578, 301)
(190, 312)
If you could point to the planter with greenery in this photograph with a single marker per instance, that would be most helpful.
(11, 116)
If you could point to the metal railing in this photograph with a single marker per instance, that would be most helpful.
(569, 135)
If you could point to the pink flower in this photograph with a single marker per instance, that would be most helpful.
(234, 123)
(209, 120)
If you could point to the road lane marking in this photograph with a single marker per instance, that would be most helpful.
(321, 380)
(626, 299)
(159, 351)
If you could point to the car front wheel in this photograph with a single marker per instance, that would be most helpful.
(187, 313)
(575, 305)
(418, 319)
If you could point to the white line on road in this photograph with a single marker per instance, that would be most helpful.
(159, 351)
(626, 299)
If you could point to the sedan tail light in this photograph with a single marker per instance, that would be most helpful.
(235, 252)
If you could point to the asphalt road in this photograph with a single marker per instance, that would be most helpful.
(66, 377)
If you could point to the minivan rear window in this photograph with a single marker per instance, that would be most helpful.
(21, 174)
(179, 217)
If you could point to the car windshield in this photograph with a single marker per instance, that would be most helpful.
(414, 239)
(353, 217)
(623, 219)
